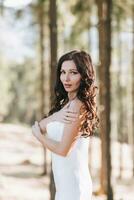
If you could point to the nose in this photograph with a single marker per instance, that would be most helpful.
(67, 77)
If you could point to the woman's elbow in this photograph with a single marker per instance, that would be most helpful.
(62, 153)
(65, 153)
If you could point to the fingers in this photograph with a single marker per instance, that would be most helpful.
(35, 128)
(70, 111)
(69, 115)
(66, 121)
(72, 115)
(36, 125)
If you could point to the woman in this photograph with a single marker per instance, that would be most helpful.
(71, 121)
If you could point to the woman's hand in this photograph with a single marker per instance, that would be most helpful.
(65, 115)
(36, 131)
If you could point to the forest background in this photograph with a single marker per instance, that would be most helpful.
(33, 35)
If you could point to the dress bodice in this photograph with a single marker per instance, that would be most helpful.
(55, 130)
(71, 173)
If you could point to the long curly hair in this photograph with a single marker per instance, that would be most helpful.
(86, 92)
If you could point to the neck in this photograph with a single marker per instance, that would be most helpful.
(72, 96)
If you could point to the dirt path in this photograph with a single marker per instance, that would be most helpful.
(21, 158)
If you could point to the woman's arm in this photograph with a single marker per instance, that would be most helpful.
(52, 145)
(70, 134)
(63, 147)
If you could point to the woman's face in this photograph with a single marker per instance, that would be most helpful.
(70, 77)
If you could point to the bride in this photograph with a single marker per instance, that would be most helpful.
(69, 125)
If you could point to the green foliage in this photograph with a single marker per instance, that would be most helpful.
(41, 1)
(121, 13)
(24, 106)
(82, 12)
(19, 92)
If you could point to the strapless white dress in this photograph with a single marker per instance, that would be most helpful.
(71, 173)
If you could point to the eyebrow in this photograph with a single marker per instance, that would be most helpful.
(69, 70)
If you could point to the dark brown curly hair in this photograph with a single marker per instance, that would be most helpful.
(86, 92)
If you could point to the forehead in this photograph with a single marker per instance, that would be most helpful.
(68, 65)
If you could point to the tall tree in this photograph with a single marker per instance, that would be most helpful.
(53, 43)
(41, 13)
(53, 61)
(121, 112)
(104, 28)
(133, 91)
(41, 50)
(1, 7)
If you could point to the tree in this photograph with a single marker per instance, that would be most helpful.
(133, 93)
(53, 44)
(104, 28)
(53, 61)
(1, 7)
(121, 111)
(41, 12)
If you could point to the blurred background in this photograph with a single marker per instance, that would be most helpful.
(33, 35)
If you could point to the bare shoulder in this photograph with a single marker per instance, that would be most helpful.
(76, 105)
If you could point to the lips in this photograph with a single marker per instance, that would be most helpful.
(67, 85)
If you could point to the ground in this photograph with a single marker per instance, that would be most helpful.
(21, 166)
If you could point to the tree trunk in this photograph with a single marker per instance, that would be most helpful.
(1, 7)
(53, 44)
(121, 113)
(42, 80)
(104, 15)
(53, 61)
(133, 94)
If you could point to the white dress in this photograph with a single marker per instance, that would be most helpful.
(71, 173)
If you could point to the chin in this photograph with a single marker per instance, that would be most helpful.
(70, 90)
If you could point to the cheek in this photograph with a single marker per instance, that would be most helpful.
(61, 78)
(77, 80)
(78, 83)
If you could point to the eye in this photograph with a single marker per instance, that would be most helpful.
(62, 72)
(74, 72)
